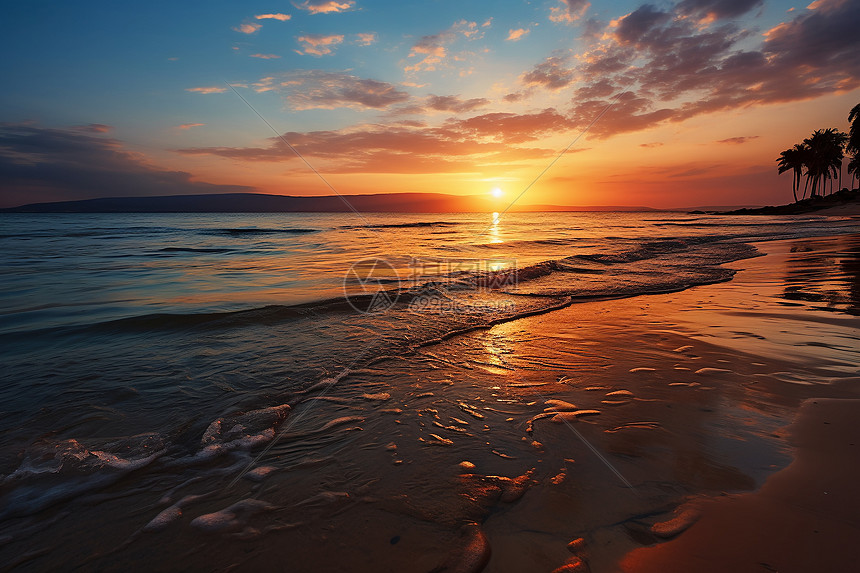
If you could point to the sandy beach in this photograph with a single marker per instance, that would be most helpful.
(852, 210)
(785, 371)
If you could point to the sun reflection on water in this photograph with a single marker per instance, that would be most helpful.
(495, 234)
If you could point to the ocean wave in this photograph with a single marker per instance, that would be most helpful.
(403, 225)
(193, 250)
(724, 224)
(633, 268)
(245, 232)
(54, 471)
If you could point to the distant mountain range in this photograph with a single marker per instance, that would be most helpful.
(261, 203)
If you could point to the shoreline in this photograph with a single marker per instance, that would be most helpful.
(840, 203)
(804, 516)
(790, 378)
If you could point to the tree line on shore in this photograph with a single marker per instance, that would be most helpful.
(820, 158)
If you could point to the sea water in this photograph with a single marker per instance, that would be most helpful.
(173, 346)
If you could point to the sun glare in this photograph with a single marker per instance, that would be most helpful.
(497, 192)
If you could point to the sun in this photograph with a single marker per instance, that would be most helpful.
(497, 192)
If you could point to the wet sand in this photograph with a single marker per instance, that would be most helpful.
(805, 517)
(637, 434)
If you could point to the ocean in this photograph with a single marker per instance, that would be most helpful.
(160, 362)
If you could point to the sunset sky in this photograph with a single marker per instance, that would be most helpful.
(120, 99)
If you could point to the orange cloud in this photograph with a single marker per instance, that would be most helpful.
(455, 104)
(469, 145)
(386, 149)
(673, 69)
(281, 17)
(366, 39)
(189, 125)
(433, 50)
(738, 140)
(518, 34)
(468, 29)
(265, 56)
(553, 74)
(207, 90)
(569, 11)
(318, 89)
(325, 6)
(319, 44)
(248, 28)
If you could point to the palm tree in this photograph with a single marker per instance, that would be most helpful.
(835, 153)
(854, 131)
(854, 167)
(825, 157)
(794, 159)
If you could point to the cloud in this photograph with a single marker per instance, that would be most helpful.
(518, 34)
(628, 114)
(93, 128)
(512, 127)
(189, 125)
(468, 29)
(207, 90)
(432, 51)
(265, 56)
(569, 11)
(598, 89)
(325, 6)
(515, 97)
(455, 104)
(553, 74)
(318, 89)
(281, 17)
(319, 44)
(458, 145)
(717, 9)
(738, 140)
(248, 27)
(674, 68)
(636, 25)
(651, 145)
(366, 39)
(41, 164)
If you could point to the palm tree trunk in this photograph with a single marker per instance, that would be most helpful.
(840, 177)
(794, 186)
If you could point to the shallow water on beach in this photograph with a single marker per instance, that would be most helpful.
(154, 419)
